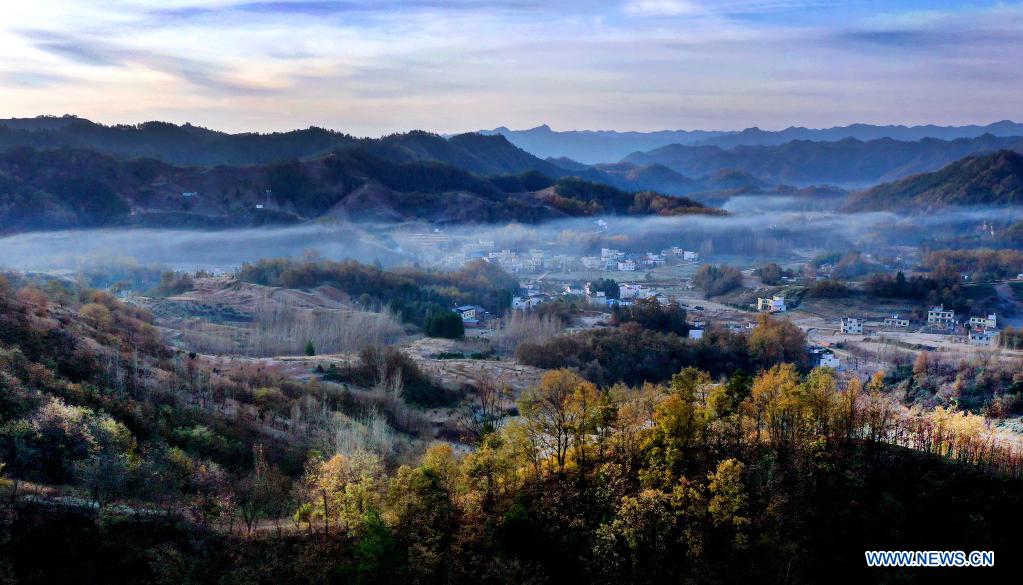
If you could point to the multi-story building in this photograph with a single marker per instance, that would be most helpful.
(940, 316)
(852, 326)
(896, 322)
(775, 304)
(989, 322)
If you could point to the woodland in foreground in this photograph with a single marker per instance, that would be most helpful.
(123, 464)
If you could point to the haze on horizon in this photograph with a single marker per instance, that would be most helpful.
(371, 68)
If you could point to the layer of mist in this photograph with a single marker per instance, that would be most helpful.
(758, 227)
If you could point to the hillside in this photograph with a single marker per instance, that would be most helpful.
(75, 188)
(187, 144)
(994, 179)
(846, 163)
(135, 463)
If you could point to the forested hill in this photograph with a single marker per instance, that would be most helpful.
(72, 188)
(994, 179)
(187, 144)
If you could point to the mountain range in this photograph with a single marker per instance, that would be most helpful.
(71, 172)
(381, 180)
(994, 179)
(187, 145)
(603, 146)
(849, 163)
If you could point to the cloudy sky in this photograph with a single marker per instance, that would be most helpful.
(372, 67)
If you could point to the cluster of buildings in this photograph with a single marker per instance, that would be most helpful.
(538, 260)
(529, 297)
(980, 331)
(611, 259)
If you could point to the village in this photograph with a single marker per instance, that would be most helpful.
(840, 337)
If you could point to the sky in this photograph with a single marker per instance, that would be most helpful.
(375, 67)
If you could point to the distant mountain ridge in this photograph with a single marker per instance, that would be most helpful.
(846, 163)
(606, 146)
(58, 188)
(993, 179)
(595, 146)
(187, 145)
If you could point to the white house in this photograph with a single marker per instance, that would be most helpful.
(632, 291)
(852, 326)
(824, 357)
(939, 316)
(469, 312)
(696, 334)
(653, 259)
(775, 304)
(896, 322)
(610, 254)
(690, 256)
(829, 360)
(982, 337)
(523, 303)
(627, 265)
(989, 322)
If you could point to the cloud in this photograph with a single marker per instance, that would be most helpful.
(661, 7)
(372, 67)
(717, 7)
(33, 79)
(204, 75)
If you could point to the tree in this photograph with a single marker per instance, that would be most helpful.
(378, 557)
(483, 411)
(424, 517)
(104, 475)
(559, 413)
(210, 487)
(776, 341)
(608, 286)
(717, 280)
(343, 488)
(728, 500)
(310, 349)
(445, 324)
(680, 423)
(638, 545)
(770, 274)
(263, 492)
(650, 314)
(772, 402)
